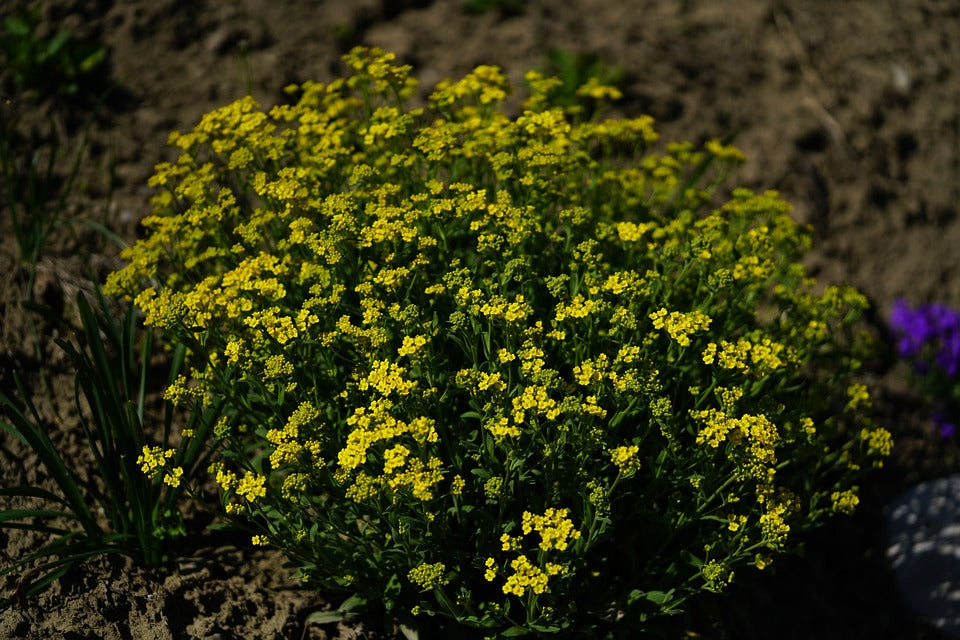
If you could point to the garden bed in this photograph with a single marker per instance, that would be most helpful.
(851, 111)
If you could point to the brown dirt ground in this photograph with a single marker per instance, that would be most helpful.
(851, 110)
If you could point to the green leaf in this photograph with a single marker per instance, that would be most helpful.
(515, 632)
(691, 559)
(328, 617)
(16, 26)
(344, 613)
(35, 437)
(55, 44)
(409, 633)
(659, 597)
(391, 591)
(29, 587)
(92, 60)
(19, 514)
(32, 492)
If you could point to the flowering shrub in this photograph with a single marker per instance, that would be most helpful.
(929, 337)
(510, 371)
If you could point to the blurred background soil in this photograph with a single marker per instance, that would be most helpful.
(850, 109)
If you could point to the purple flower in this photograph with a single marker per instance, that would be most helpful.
(947, 429)
(912, 328)
(933, 325)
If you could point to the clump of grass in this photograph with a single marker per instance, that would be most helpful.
(58, 65)
(115, 507)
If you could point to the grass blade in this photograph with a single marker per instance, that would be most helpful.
(32, 492)
(19, 514)
(37, 439)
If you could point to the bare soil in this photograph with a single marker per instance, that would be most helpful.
(850, 109)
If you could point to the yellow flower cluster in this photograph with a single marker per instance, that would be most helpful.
(287, 442)
(172, 477)
(536, 399)
(626, 459)
(413, 474)
(251, 486)
(579, 307)
(845, 501)
(631, 231)
(590, 370)
(498, 307)
(773, 526)
(411, 345)
(387, 378)
(525, 577)
(555, 530)
(154, 459)
(374, 423)
(716, 575)
(554, 527)
(680, 325)
(735, 522)
(859, 396)
(725, 152)
(755, 435)
(502, 428)
(224, 477)
(401, 469)
(878, 439)
(745, 355)
(715, 426)
(428, 576)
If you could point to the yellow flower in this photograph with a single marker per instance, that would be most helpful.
(525, 577)
(680, 325)
(428, 576)
(387, 378)
(631, 232)
(859, 396)
(724, 152)
(411, 345)
(626, 459)
(845, 501)
(173, 476)
(153, 458)
(491, 571)
(734, 522)
(593, 88)
(716, 575)
(878, 439)
(502, 428)
(554, 527)
(251, 486)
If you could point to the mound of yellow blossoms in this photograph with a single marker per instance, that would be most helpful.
(505, 369)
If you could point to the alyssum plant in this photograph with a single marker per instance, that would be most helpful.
(509, 372)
